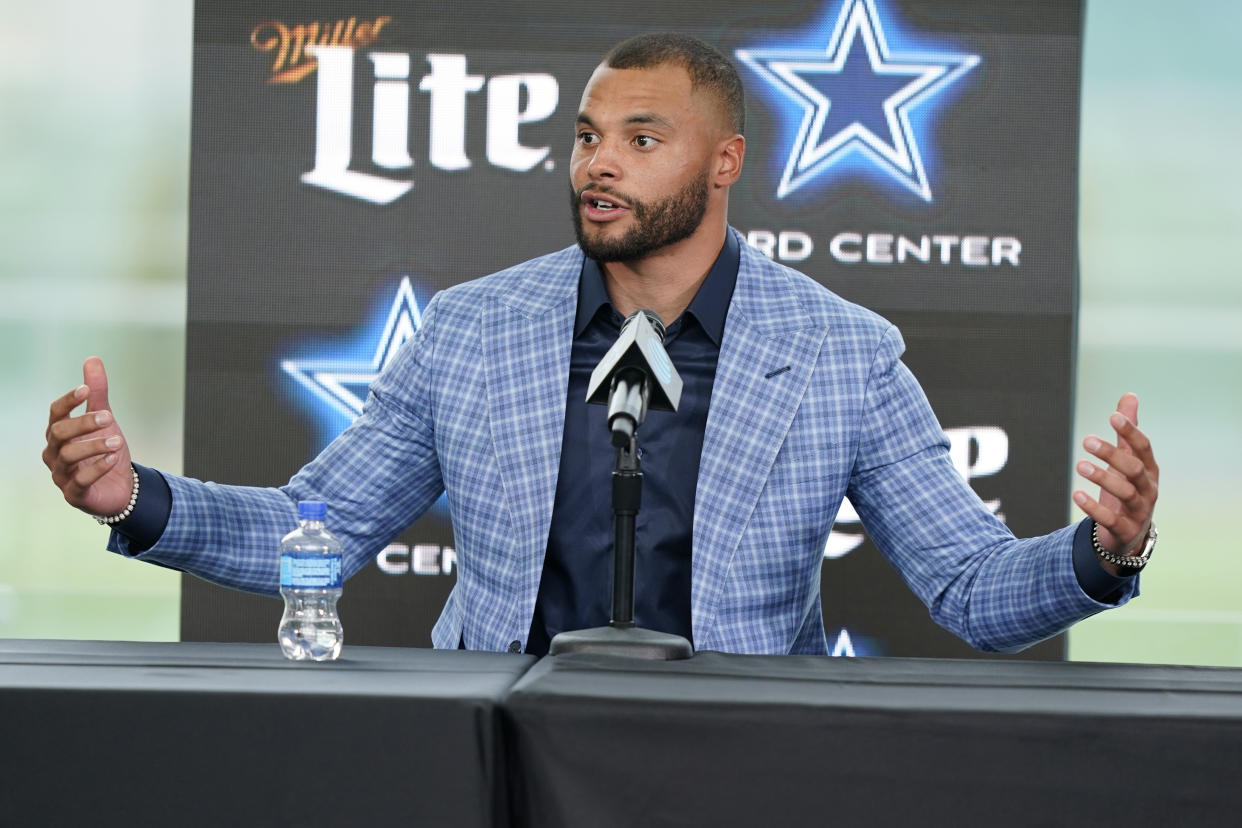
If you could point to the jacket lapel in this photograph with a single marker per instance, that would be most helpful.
(766, 360)
(527, 335)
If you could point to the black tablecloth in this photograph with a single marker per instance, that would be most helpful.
(108, 733)
(787, 741)
(111, 733)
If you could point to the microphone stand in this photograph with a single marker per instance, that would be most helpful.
(627, 494)
(621, 637)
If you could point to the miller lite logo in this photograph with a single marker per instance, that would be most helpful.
(332, 51)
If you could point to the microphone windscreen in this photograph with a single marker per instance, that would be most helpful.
(652, 317)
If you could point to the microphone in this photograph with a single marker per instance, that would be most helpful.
(635, 374)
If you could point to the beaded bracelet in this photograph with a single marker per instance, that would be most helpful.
(133, 498)
(1133, 562)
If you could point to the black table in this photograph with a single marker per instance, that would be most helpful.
(109, 733)
(788, 741)
(112, 733)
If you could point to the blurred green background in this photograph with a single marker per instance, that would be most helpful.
(94, 158)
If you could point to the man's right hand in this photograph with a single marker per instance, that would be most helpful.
(87, 455)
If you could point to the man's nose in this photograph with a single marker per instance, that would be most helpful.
(604, 162)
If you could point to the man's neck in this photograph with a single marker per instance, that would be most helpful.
(667, 280)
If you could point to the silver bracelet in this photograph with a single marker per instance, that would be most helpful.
(1134, 562)
(133, 498)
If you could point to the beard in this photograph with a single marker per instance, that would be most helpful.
(656, 224)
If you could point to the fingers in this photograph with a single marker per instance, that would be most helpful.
(61, 406)
(1114, 483)
(96, 379)
(1122, 526)
(1135, 440)
(72, 440)
(77, 480)
(77, 451)
(72, 428)
(87, 454)
(1127, 406)
(1118, 492)
(1128, 483)
(1126, 463)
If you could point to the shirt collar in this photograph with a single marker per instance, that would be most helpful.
(710, 305)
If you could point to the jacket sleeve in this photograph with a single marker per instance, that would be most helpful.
(377, 477)
(993, 590)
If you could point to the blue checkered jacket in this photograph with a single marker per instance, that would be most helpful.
(474, 407)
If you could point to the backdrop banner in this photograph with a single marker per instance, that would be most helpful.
(351, 158)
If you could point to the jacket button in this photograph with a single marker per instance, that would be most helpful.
(515, 646)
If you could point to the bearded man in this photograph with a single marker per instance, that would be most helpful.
(793, 400)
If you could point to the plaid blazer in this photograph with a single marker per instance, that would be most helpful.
(474, 407)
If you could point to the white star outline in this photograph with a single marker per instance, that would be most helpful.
(328, 379)
(811, 155)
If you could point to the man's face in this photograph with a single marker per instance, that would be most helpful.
(639, 174)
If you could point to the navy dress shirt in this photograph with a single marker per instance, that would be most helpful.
(575, 591)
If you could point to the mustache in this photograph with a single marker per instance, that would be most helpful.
(600, 188)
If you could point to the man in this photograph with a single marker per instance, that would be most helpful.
(794, 399)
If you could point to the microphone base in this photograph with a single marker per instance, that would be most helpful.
(629, 642)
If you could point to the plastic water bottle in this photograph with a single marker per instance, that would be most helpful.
(310, 581)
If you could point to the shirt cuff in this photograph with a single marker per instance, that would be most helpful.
(145, 525)
(1099, 584)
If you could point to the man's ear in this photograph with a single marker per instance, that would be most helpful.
(729, 156)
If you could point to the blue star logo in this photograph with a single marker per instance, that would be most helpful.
(861, 104)
(338, 385)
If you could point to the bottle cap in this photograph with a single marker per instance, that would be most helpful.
(312, 510)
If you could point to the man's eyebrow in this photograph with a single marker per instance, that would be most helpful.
(649, 118)
(636, 118)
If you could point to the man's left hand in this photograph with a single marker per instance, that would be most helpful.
(1128, 484)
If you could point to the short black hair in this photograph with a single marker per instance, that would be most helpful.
(707, 67)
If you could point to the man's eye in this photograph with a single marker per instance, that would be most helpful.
(644, 141)
(587, 137)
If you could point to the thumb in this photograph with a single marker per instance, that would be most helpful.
(96, 380)
(1128, 406)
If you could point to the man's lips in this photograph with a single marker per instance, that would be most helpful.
(602, 207)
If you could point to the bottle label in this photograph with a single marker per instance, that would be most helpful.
(310, 571)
